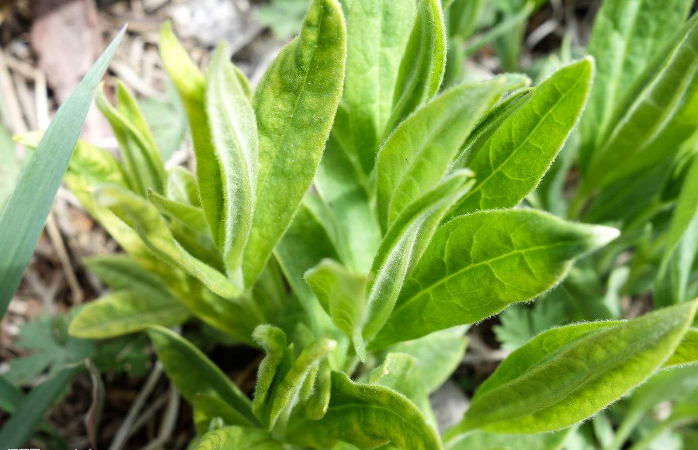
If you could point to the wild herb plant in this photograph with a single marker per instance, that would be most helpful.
(352, 221)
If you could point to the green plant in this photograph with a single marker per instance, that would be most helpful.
(358, 288)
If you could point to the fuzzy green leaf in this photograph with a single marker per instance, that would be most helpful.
(681, 245)
(181, 187)
(403, 246)
(400, 372)
(482, 440)
(660, 119)
(437, 355)
(687, 351)
(237, 438)
(193, 373)
(187, 215)
(366, 416)
(209, 407)
(143, 163)
(555, 381)
(627, 36)
(191, 85)
(234, 136)
(125, 312)
(273, 341)
(415, 157)
(152, 229)
(342, 294)
(377, 35)
(423, 66)
(478, 264)
(511, 161)
(295, 104)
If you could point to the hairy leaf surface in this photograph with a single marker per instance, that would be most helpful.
(366, 416)
(125, 312)
(234, 137)
(478, 264)
(554, 381)
(295, 104)
(511, 161)
(193, 373)
(415, 157)
(627, 36)
(238, 438)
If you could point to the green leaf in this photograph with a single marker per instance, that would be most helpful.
(366, 416)
(125, 312)
(342, 294)
(273, 341)
(582, 371)
(10, 396)
(345, 191)
(376, 39)
(238, 438)
(187, 215)
(287, 392)
(681, 244)
(152, 229)
(281, 376)
(317, 404)
(181, 187)
(478, 264)
(423, 64)
(144, 167)
(416, 156)
(627, 36)
(167, 120)
(510, 162)
(209, 407)
(191, 85)
(437, 355)
(193, 373)
(305, 244)
(400, 372)
(482, 440)
(234, 136)
(295, 104)
(24, 215)
(687, 351)
(660, 119)
(403, 246)
(119, 272)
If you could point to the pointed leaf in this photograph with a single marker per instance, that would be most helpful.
(437, 355)
(423, 66)
(376, 39)
(120, 272)
(415, 157)
(191, 85)
(234, 137)
(660, 119)
(187, 215)
(295, 104)
(627, 36)
(478, 264)
(366, 416)
(125, 312)
(687, 351)
(144, 167)
(193, 373)
(400, 372)
(209, 407)
(24, 215)
(273, 341)
(545, 386)
(181, 187)
(403, 246)
(152, 228)
(342, 294)
(511, 162)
